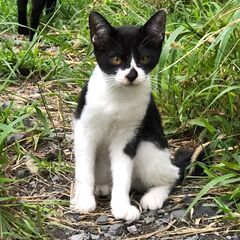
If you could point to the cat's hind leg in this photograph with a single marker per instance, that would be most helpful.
(155, 173)
(50, 6)
(22, 17)
(103, 180)
(37, 9)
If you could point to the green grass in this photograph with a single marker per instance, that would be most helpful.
(196, 85)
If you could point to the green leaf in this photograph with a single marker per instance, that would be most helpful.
(202, 122)
(224, 37)
(6, 180)
(43, 119)
(207, 187)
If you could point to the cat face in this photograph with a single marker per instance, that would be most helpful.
(128, 53)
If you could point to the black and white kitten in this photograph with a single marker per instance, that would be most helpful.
(37, 9)
(118, 137)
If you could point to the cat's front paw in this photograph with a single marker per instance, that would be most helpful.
(153, 200)
(83, 203)
(125, 211)
(82, 199)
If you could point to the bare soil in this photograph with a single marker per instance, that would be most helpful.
(45, 184)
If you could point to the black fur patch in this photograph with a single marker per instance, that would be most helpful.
(183, 159)
(81, 102)
(150, 130)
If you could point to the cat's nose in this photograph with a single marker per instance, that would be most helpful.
(132, 75)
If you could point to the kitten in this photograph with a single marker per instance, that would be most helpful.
(37, 9)
(118, 136)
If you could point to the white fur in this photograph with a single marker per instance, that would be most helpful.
(121, 79)
(153, 167)
(154, 172)
(155, 198)
(108, 122)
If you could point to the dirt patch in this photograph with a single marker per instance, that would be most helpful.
(47, 181)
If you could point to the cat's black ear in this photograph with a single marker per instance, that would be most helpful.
(155, 26)
(100, 29)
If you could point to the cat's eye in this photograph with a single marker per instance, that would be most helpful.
(143, 59)
(115, 60)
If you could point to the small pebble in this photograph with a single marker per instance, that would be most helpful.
(51, 156)
(95, 236)
(192, 238)
(15, 137)
(178, 213)
(5, 104)
(187, 199)
(55, 178)
(76, 216)
(149, 220)
(160, 211)
(201, 211)
(116, 229)
(22, 173)
(132, 229)
(81, 236)
(28, 122)
(158, 223)
(103, 219)
(151, 213)
(104, 227)
(107, 236)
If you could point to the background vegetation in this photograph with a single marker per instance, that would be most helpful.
(196, 85)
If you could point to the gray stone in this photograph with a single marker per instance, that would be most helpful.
(166, 219)
(55, 178)
(95, 236)
(192, 238)
(107, 235)
(22, 173)
(14, 137)
(116, 229)
(160, 211)
(76, 216)
(201, 211)
(187, 199)
(178, 213)
(5, 104)
(103, 219)
(104, 227)
(29, 122)
(51, 156)
(151, 213)
(149, 220)
(158, 223)
(132, 229)
(81, 236)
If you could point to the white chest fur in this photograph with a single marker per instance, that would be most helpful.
(113, 110)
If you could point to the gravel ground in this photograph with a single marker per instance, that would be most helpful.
(39, 185)
(204, 221)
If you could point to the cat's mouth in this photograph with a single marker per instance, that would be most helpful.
(125, 82)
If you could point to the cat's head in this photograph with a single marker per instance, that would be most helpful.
(127, 54)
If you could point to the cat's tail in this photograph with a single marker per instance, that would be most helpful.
(187, 159)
